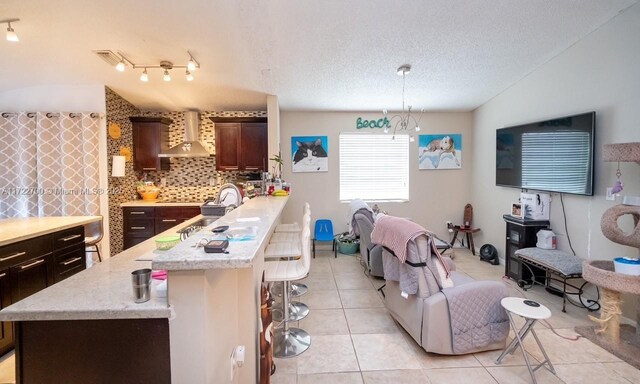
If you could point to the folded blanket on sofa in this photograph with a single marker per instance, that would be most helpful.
(477, 318)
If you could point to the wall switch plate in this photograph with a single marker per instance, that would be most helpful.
(610, 196)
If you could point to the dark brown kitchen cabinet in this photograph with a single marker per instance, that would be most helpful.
(6, 327)
(150, 138)
(142, 223)
(29, 266)
(241, 146)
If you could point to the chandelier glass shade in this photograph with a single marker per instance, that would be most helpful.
(405, 121)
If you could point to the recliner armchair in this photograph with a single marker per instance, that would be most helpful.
(371, 253)
(426, 316)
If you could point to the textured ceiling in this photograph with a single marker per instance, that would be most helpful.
(315, 55)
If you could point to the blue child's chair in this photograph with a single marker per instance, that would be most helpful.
(324, 232)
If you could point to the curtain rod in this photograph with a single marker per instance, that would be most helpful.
(72, 115)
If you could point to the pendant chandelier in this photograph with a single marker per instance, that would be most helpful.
(404, 121)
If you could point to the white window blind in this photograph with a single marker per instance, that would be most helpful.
(374, 167)
(564, 168)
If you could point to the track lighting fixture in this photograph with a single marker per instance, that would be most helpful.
(121, 61)
(144, 77)
(11, 34)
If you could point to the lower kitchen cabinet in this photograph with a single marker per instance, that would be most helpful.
(32, 265)
(142, 223)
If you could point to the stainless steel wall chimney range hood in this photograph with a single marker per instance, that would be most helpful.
(190, 147)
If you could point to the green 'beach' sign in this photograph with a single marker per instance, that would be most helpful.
(380, 123)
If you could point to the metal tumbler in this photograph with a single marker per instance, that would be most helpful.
(141, 281)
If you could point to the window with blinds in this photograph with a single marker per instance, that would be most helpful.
(557, 161)
(374, 167)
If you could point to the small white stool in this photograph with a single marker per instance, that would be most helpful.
(532, 314)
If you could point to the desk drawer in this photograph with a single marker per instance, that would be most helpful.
(68, 237)
(16, 253)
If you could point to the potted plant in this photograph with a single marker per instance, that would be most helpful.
(279, 161)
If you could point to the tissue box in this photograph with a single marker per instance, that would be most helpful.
(535, 206)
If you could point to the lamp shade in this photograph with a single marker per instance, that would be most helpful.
(117, 167)
(622, 152)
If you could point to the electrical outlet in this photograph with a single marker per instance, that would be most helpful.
(163, 181)
(610, 195)
(212, 181)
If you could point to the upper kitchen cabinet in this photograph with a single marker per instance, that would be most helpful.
(241, 144)
(150, 137)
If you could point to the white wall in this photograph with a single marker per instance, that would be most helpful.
(599, 73)
(67, 98)
(435, 196)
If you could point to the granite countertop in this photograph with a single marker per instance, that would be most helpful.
(104, 291)
(160, 203)
(18, 229)
(260, 213)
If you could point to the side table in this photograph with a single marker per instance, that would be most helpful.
(532, 312)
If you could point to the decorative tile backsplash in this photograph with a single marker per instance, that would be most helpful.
(188, 178)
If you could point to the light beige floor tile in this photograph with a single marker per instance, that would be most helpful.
(625, 370)
(346, 265)
(591, 373)
(333, 353)
(8, 368)
(361, 299)
(460, 375)
(325, 322)
(370, 320)
(377, 282)
(565, 351)
(283, 378)
(289, 365)
(331, 378)
(405, 376)
(520, 375)
(432, 360)
(383, 352)
(488, 358)
(319, 283)
(321, 300)
(357, 280)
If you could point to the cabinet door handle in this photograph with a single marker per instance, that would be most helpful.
(138, 227)
(71, 261)
(231, 168)
(70, 237)
(136, 213)
(149, 169)
(17, 254)
(169, 220)
(32, 264)
(3, 275)
(252, 168)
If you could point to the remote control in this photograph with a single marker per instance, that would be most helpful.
(219, 229)
(531, 303)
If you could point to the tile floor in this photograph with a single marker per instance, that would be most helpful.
(354, 340)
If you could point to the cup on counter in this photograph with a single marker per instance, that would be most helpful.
(141, 281)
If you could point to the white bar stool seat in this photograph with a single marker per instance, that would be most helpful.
(294, 227)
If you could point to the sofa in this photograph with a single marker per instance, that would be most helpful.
(425, 314)
(371, 253)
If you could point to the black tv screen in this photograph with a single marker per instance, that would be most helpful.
(552, 155)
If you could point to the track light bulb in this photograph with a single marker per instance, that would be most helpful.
(191, 65)
(120, 66)
(11, 34)
(167, 76)
(144, 77)
(189, 76)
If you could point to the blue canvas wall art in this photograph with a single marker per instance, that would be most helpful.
(442, 151)
(309, 154)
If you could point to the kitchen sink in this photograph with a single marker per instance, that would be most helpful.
(196, 226)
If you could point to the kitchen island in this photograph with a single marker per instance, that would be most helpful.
(212, 306)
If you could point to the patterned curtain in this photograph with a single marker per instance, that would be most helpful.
(52, 164)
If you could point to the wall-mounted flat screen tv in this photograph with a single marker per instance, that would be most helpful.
(552, 155)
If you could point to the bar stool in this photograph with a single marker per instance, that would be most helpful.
(94, 232)
(294, 227)
(297, 289)
(291, 250)
(532, 312)
(289, 341)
